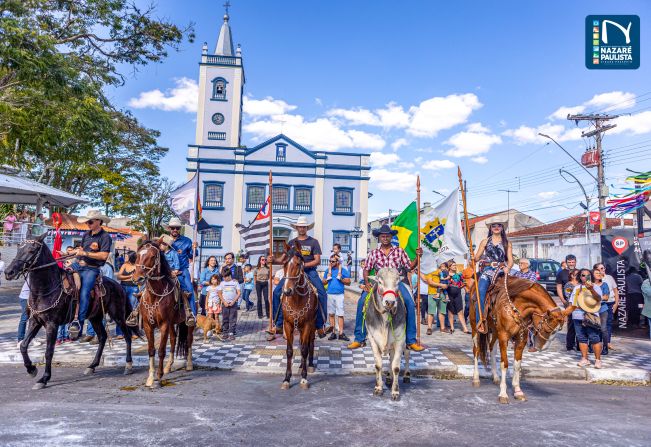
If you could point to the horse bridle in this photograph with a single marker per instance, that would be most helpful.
(28, 268)
(543, 321)
(156, 265)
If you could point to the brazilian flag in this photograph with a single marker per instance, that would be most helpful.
(407, 225)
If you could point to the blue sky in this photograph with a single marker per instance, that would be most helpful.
(424, 87)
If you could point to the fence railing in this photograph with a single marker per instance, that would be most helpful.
(16, 232)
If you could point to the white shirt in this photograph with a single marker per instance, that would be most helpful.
(24, 291)
(612, 285)
(2, 270)
(280, 274)
(578, 313)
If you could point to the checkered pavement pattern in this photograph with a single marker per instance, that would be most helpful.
(551, 359)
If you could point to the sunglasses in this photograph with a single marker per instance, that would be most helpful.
(90, 221)
(175, 228)
(585, 276)
(496, 225)
(332, 261)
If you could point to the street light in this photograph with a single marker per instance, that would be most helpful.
(586, 207)
(357, 232)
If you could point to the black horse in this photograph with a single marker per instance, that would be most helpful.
(50, 305)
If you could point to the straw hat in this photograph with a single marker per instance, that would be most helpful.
(174, 222)
(497, 220)
(167, 240)
(586, 301)
(94, 215)
(302, 222)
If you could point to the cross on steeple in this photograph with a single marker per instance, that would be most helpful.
(226, 6)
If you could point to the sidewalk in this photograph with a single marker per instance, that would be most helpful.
(447, 356)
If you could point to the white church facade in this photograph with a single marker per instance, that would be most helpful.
(329, 188)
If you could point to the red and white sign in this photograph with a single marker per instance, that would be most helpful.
(620, 244)
(595, 217)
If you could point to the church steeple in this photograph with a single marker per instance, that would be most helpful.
(225, 40)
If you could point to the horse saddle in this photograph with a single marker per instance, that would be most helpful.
(71, 287)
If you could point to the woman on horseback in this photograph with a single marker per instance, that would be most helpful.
(494, 255)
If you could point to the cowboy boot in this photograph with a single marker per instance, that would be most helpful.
(132, 319)
(190, 321)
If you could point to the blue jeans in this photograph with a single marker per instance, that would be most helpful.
(585, 334)
(186, 284)
(313, 276)
(88, 276)
(22, 324)
(245, 295)
(360, 330)
(131, 296)
(62, 333)
(483, 288)
(611, 318)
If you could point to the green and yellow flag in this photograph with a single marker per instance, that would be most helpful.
(407, 225)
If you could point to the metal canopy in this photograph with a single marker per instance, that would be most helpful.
(29, 192)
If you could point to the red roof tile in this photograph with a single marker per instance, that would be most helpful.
(572, 225)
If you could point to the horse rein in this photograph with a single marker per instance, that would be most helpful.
(156, 265)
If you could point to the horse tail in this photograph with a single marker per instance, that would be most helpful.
(482, 345)
(182, 341)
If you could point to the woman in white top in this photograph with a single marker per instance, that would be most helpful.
(587, 298)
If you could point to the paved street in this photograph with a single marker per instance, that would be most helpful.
(209, 407)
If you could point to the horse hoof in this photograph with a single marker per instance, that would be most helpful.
(311, 369)
(284, 386)
(504, 399)
(476, 383)
(149, 383)
(395, 396)
(378, 391)
(89, 371)
(128, 371)
(304, 385)
(38, 386)
(189, 367)
(406, 379)
(496, 381)
(520, 396)
(33, 372)
(167, 369)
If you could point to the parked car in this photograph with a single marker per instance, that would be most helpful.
(546, 271)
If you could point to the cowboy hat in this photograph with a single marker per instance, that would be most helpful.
(94, 215)
(497, 220)
(167, 240)
(384, 229)
(174, 222)
(302, 222)
(586, 301)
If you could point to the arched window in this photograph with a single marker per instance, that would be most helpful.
(219, 89)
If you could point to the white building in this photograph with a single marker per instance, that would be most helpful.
(328, 187)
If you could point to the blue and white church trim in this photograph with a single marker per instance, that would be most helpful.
(328, 187)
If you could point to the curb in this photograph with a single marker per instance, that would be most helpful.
(459, 372)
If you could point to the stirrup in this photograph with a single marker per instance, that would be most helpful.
(190, 321)
(132, 319)
(74, 328)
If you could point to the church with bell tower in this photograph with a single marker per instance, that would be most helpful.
(329, 187)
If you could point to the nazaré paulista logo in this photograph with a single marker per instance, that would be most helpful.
(612, 42)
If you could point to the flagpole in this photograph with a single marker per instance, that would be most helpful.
(196, 218)
(418, 258)
(472, 252)
(270, 261)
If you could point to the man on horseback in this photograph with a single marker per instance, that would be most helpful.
(93, 253)
(311, 252)
(494, 255)
(386, 255)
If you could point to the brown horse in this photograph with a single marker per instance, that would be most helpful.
(518, 306)
(161, 307)
(300, 305)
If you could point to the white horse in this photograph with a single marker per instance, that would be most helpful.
(386, 322)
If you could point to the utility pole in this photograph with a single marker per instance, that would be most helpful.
(508, 203)
(598, 121)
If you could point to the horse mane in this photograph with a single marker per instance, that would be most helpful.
(165, 269)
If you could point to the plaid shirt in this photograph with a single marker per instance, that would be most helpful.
(396, 259)
(530, 275)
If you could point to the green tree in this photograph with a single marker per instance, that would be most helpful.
(57, 58)
(150, 211)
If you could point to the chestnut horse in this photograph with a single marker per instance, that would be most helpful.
(300, 305)
(161, 307)
(518, 305)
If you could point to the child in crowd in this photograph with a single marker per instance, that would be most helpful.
(170, 255)
(229, 294)
(213, 301)
(248, 286)
(444, 278)
(336, 252)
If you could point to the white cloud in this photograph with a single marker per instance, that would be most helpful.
(436, 165)
(380, 159)
(406, 165)
(481, 160)
(386, 180)
(638, 123)
(400, 142)
(472, 142)
(321, 133)
(393, 115)
(183, 97)
(612, 100)
(546, 195)
(527, 135)
(266, 107)
(356, 117)
(439, 113)
(562, 112)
